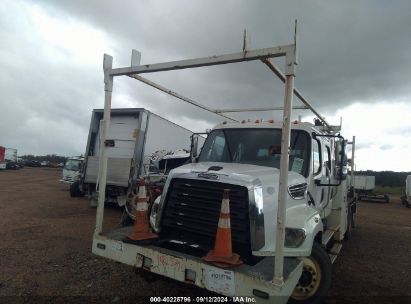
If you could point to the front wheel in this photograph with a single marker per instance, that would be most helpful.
(315, 280)
(75, 190)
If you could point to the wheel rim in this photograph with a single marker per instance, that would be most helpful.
(309, 281)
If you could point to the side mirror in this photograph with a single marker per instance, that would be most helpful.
(341, 160)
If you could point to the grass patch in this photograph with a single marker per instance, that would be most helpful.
(389, 190)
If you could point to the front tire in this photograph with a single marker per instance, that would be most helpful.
(75, 190)
(315, 280)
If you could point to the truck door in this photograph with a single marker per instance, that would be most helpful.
(321, 173)
(326, 179)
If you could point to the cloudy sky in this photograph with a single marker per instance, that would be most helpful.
(354, 62)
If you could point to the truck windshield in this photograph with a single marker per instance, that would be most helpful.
(261, 147)
(73, 165)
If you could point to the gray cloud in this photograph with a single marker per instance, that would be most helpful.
(348, 52)
(386, 147)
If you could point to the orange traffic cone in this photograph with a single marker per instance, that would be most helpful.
(223, 255)
(141, 229)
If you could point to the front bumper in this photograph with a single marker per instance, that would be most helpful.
(238, 281)
(68, 180)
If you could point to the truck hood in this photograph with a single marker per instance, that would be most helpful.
(261, 182)
(235, 172)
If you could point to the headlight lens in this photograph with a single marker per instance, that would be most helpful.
(258, 197)
(294, 237)
(153, 214)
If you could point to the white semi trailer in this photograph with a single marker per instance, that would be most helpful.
(364, 186)
(289, 200)
(406, 199)
(10, 155)
(133, 134)
(364, 183)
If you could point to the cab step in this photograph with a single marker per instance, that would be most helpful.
(328, 234)
(335, 250)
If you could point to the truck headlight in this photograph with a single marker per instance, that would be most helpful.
(153, 214)
(294, 237)
(258, 197)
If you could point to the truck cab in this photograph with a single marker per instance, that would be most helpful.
(245, 158)
(71, 169)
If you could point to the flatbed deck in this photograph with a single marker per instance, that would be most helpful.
(242, 280)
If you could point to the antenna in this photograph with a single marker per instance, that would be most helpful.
(245, 38)
(295, 40)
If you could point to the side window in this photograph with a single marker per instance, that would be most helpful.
(316, 157)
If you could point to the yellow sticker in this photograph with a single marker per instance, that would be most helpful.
(135, 133)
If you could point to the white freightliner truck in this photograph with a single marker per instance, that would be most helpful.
(290, 205)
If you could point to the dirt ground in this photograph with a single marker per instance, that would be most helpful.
(45, 250)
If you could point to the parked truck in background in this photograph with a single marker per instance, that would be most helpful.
(277, 189)
(364, 188)
(2, 158)
(71, 170)
(364, 183)
(10, 156)
(157, 167)
(133, 134)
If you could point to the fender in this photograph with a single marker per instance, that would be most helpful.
(303, 216)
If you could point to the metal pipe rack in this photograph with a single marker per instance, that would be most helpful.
(264, 55)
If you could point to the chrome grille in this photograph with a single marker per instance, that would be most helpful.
(298, 191)
(192, 210)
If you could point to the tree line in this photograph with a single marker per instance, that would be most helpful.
(382, 178)
(386, 178)
(51, 158)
